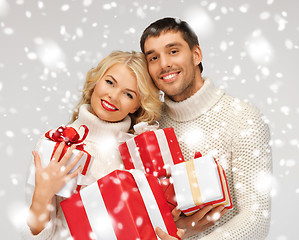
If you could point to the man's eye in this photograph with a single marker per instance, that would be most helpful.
(109, 82)
(173, 51)
(153, 58)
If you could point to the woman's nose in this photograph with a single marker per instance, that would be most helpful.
(114, 93)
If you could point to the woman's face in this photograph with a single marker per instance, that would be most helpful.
(115, 95)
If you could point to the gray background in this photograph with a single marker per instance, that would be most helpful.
(250, 49)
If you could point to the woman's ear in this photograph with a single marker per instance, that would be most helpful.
(135, 109)
(197, 55)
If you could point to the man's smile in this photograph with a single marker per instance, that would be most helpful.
(170, 77)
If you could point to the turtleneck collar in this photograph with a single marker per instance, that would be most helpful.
(98, 127)
(196, 105)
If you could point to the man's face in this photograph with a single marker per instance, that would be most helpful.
(172, 65)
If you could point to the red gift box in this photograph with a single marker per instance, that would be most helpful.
(168, 190)
(153, 152)
(121, 205)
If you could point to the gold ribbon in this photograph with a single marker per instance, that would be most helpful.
(191, 172)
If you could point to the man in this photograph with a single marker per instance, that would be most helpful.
(205, 119)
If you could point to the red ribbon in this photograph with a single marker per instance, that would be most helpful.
(69, 135)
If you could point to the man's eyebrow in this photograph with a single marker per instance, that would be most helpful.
(148, 53)
(169, 45)
(173, 45)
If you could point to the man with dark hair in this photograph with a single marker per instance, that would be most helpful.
(205, 119)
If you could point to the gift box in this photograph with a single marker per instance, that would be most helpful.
(48, 147)
(198, 183)
(121, 205)
(168, 190)
(228, 202)
(152, 151)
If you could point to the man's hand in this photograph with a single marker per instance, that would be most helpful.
(164, 236)
(199, 221)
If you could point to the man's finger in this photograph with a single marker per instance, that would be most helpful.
(176, 214)
(160, 233)
(213, 216)
(180, 232)
(163, 235)
(200, 214)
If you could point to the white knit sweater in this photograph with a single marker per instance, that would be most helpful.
(102, 144)
(234, 132)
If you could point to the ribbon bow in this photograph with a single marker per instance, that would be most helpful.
(145, 127)
(138, 128)
(69, 135)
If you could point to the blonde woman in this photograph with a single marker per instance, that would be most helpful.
(117, 94)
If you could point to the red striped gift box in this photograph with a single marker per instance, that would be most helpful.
(153, 152)
(121, 205)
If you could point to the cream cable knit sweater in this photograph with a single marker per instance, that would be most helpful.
(234, 132)
(102, 144)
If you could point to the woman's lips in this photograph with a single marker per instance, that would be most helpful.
(108, 106)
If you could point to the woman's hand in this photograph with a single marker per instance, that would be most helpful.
(48, 181)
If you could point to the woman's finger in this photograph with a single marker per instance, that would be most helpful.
(74, 173)
(37, 162)
(58, 152)
(67, 155)
(73, 163)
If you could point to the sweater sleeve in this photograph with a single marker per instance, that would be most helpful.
(252, 174)
(49, 230)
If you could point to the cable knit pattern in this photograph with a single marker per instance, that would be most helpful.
(102, 144)
(235, 134)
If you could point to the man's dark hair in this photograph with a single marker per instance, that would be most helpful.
(171, 24)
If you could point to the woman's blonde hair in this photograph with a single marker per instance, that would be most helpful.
(150, 104)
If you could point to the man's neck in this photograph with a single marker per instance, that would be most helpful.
(191, 90)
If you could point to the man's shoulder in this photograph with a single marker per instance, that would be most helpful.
(238, 104)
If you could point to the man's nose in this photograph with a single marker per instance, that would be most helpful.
(164, 61)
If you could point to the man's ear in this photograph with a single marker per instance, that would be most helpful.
(197, 55)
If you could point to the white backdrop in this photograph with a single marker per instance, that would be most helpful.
(250, 48)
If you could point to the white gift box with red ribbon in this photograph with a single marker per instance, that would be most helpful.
(45, 152)
(152, 151)
(48, 147)
(121, 205)
(200, 182)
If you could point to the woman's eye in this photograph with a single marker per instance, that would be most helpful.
(129, 95)
(109, 82)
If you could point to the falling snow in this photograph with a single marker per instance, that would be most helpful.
(47, 52)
